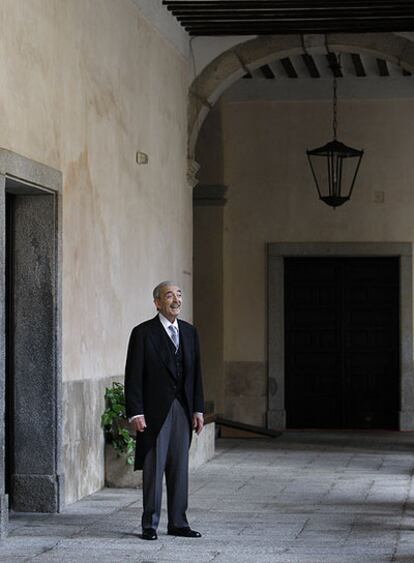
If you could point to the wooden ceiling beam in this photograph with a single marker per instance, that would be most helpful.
(288, 67)
(311, 66)
(316, 22)
(333, 63)
(382, 67)
(358, 65)
(280, 4)
(267, 72)
(223, 15)
(344, 26)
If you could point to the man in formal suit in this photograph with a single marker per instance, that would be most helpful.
(164, 402)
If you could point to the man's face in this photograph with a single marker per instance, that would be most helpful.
(169, 302)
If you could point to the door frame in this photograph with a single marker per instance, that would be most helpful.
(43, 492)
(276, 253)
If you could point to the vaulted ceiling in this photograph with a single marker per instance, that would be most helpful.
(270, 17)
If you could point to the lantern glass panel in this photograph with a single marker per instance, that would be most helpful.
(334, 168)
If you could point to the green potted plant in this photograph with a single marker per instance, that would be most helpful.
(115, 423)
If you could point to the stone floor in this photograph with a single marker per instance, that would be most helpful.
(303, 497)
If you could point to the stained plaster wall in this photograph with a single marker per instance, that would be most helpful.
(84, 85)
(271, 198)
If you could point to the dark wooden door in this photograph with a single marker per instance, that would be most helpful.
(342, 342)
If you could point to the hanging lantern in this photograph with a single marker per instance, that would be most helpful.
(334, 166)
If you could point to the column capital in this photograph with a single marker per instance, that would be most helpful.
(192, 170)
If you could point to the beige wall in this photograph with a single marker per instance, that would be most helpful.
(84, 85)
(271, 198)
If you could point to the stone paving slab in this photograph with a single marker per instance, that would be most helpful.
(304, 497)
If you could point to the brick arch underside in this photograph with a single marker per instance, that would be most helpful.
(231, 65)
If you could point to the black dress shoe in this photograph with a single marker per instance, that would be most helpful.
(184, 532)
(149, 534)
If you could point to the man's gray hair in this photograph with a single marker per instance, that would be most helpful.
(157, 290)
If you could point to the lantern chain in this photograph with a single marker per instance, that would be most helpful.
(335, 106)
(336, 69)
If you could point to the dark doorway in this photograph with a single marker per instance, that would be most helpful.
(342, 342)
(31, 408)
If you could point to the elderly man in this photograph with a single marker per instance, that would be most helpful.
(164, 400)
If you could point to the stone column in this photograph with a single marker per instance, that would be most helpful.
(276, 413)
(4, 500)
(209, 202)
(406, 414)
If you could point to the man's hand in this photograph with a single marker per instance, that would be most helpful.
(198, 422)
(139, 424)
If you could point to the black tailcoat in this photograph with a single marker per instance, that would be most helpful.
(151, 378)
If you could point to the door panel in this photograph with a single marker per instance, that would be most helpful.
(342, 342)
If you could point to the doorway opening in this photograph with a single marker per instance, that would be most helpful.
(400, 280)
(31, 337)
(31, 469)
(342, 342)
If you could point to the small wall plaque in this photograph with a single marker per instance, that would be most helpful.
(141, 157)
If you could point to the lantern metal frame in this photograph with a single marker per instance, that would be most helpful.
(335, 153)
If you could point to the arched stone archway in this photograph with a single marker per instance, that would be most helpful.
(206, 89)
(231, 65)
